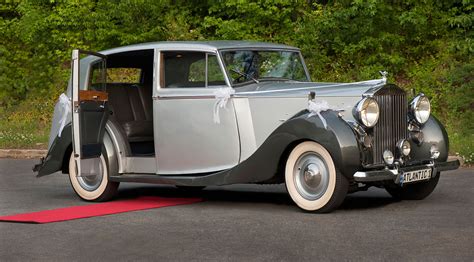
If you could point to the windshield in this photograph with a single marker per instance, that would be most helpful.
(266, 65)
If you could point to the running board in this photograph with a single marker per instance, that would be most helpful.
(214, 179)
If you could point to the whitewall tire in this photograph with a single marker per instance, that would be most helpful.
(312, 180)
(94, 188)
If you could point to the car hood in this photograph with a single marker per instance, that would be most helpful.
(299, 89)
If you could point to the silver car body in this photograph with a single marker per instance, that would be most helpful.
(210, 126)
(252, 114)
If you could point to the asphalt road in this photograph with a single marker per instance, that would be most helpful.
(239, 223)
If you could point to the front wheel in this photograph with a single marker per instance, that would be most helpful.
(312, 179)
(95, 186)
(416, 191)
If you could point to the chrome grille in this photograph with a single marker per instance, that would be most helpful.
(392, 125)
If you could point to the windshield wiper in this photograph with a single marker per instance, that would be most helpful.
(245, 75)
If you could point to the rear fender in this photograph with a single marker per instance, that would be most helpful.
(53, 161)
(58, 155)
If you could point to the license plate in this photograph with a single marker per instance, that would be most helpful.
(418, 175)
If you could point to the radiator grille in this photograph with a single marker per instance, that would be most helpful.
(392, 124)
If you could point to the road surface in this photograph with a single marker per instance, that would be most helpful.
(238, 223)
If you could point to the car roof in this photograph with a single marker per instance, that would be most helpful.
(199, 46)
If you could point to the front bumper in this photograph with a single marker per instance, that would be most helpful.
(395, 173)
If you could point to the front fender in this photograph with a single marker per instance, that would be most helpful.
(435, 134)
(264, 165)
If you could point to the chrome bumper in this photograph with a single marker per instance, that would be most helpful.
(394, 174)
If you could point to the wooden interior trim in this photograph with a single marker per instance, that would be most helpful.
(92, 95)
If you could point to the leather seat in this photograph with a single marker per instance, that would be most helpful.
(132, 107)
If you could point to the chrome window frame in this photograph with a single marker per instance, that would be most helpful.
(159, 51)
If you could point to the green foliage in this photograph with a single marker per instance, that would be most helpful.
(424, 45)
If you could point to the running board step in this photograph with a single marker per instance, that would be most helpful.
(206, 180)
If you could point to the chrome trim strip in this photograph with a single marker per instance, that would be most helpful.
(374, 81)
(172, 97)
(308, 76)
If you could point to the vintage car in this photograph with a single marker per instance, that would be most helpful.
(196, 114)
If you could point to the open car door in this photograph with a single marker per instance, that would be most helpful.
(90, 112)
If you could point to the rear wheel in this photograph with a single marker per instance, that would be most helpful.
(94, 187)
(415, 191)
(312, 179)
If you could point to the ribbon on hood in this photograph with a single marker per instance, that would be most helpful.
(316, 107)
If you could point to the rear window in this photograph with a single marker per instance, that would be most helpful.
(124, 75)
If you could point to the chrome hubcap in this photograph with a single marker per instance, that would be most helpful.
(311, 176)
(92, 173)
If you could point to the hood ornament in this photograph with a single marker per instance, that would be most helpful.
(384, 76)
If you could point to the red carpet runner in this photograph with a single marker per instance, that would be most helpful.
(94, 210)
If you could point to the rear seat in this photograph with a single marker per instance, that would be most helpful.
(132, 108)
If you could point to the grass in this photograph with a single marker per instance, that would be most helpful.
(27, 124)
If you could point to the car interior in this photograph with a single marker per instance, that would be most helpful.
(129, 81)
(129, 87)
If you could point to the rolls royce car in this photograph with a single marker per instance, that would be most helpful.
(210, 113)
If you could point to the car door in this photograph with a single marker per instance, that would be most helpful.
(90, 112)
(193, 134)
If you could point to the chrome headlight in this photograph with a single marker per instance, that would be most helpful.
(388, 157)
(420, 108)
(367, 112)
(403, 147)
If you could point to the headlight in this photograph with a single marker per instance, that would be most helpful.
(388, 157)
(367, 112)
(420, 108)
(404, 147)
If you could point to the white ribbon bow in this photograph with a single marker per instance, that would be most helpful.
(315, 108)
(65, 105)
(222, 95)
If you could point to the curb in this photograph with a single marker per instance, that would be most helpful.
(461, 160)
(23, 153)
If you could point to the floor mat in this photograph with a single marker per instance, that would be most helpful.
(100, 209)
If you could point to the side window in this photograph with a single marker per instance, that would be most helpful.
(197, 71)
(189, 69)
(98, 77)
(215, 77)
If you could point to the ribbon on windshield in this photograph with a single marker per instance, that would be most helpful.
(65, 107)
(222, 96)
